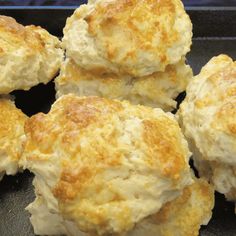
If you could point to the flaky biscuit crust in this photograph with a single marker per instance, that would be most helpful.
(208, 118)
(12, 122)
(128, 36)
(182, 216)
(156, 90)
(28, 55)
(109, 164)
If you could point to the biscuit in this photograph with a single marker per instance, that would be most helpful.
(128, 37)
(28, 56)
(12, 122)
(156, 90)
(105, 165)
(182, 216)
(208, 118)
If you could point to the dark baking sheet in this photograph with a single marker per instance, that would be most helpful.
(214, 33)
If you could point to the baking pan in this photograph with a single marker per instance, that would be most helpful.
(214, 33)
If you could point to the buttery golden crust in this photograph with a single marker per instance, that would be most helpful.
(12, 122)
(156, 90)
(14, 35)
(29, 55)
(208, 117)
(128, 36)
(182, 216)
(110, 158)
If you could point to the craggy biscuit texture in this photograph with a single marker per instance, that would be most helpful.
(128, 36)
(182, 216)
(28, 56)
(12, 122)
(208, 118)
(156, 90)
(104, 165)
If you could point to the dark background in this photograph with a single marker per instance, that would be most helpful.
(78, 2)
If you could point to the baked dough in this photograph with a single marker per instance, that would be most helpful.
(12, 122)
(156, 90)
(208, 118)
(182, 216)
(104, 165)
(128, 37)
(28, 56)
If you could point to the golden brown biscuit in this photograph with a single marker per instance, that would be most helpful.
(182, 216)
(105, 165)
(208, 118)
(12, 122)
(128, 37)
(156, 90)
(28, 56)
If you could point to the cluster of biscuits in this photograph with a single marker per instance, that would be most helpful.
(131, 50)
(109, 158)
